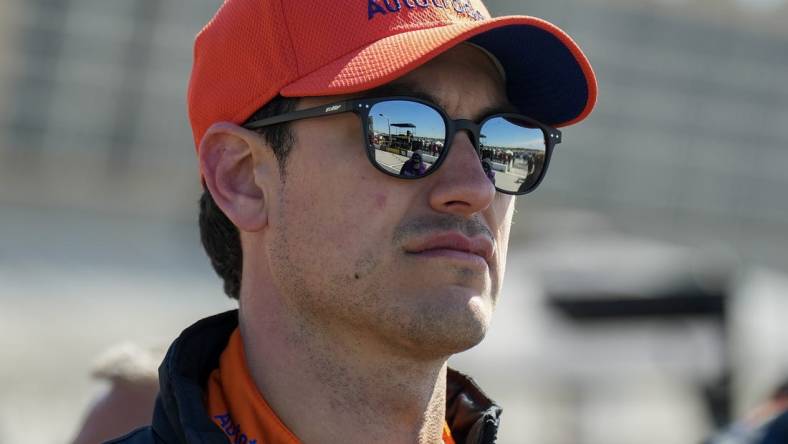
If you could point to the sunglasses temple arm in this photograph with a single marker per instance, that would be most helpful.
(318, 111)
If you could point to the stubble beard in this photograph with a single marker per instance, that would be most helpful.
(360, 303)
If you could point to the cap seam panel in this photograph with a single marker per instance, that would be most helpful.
(290, 37)
(365, 44)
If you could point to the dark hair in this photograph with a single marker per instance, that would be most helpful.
(220, 237)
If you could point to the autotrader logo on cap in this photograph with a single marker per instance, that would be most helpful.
(384, 7)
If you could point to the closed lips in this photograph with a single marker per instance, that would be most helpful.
(479, 245)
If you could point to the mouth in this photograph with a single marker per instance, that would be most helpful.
(453, 246)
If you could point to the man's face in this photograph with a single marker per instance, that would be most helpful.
(358, 253)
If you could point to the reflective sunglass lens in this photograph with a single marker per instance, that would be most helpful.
(406, 137)
(513, 153)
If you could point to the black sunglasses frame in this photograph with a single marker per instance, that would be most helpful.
(362, 108)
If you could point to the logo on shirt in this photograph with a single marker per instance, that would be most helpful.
(232, 430)
(385, 7)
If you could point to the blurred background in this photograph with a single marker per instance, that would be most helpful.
(645, 297)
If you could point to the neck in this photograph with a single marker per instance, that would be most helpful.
(328, 386)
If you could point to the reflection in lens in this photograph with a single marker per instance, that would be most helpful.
(513, 153)
(406, 137)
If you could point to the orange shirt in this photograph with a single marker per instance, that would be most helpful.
(236, 405)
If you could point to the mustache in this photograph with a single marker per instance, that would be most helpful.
(435, 223)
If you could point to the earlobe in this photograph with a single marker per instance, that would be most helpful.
(227, 164)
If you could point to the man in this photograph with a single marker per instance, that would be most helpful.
(355, 285)
(413, 167)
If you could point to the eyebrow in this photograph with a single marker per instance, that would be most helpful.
(411, 90)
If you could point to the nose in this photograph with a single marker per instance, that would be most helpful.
(460, 186)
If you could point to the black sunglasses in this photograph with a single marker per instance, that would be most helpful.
(517, 148)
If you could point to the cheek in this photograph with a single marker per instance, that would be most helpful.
(337, 204)
(365, 218)
(380, 200)
(372, 192)
(343, 217)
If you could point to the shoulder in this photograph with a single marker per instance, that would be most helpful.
(143, 435)
(777, 430)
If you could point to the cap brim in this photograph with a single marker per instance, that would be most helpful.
(548, 76)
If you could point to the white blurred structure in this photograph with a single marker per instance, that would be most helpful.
(637, 381)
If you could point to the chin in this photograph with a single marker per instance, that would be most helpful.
(450, 323)
(457, 338)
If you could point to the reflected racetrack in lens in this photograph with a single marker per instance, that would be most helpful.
(406, 137)
(512, 152)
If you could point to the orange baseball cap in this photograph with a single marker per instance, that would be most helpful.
(252, 50)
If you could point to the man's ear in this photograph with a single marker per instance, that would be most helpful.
(229, 156)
